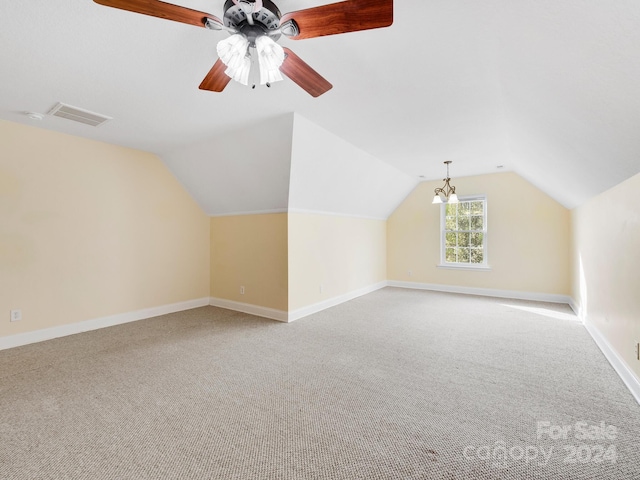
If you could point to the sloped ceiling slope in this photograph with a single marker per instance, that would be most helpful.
(287, 163)
(546, 88)
(329, 175)
(571, 91)
(240, 171)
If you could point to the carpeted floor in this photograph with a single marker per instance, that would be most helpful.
(395, 384)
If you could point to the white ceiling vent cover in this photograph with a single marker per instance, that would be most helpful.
(78, 115)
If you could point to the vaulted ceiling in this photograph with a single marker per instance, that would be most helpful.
(548, 89)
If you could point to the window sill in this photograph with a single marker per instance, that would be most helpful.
(452, 266)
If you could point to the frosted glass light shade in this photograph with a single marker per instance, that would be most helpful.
(453, 198)
(233, 52)
(437, 199)
(270, 58)
(241, 72)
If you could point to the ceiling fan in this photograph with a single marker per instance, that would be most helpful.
(255, 27)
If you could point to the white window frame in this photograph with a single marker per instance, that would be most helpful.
(465, 266)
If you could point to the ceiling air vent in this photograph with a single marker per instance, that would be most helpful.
(78, 115)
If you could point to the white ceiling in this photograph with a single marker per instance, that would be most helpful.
(550, 89)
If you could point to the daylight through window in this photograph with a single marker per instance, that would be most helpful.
(464, 232)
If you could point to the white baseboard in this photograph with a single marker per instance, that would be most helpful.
(332, 302)
(26, 338)
(272, 313)
(576, 308)
(284, 316)
(485, 292)
(619, 365)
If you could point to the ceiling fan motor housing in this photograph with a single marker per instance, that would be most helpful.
(265, 20)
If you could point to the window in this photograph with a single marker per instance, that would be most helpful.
(464, 233)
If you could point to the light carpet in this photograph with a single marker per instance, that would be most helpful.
(396, 384)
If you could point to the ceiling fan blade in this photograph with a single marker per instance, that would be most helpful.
(341, 17)
(159, 9)
(216, 80)
(306, 77)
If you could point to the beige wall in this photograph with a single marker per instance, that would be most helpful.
(528, 235)
(89, 229)
(606, 266)
(340, 253)
(250, 251)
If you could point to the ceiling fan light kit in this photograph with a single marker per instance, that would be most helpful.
(257, 25)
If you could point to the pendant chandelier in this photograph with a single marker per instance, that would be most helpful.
(446, 190)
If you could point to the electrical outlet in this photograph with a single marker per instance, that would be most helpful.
(242, 290)
(321, 288)
(409, 272)
(16, 315)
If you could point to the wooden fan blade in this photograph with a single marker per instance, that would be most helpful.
(306, 77)
(341, 17)
(159, 9)
(216, 80)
